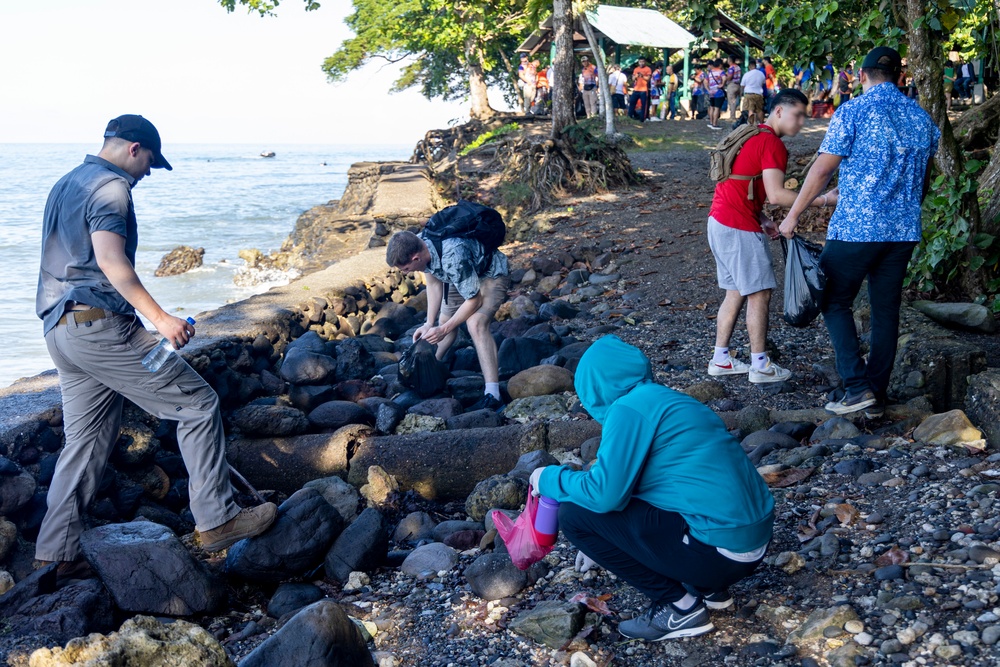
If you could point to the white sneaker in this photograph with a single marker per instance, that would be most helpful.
(734, 367)
(770, 373)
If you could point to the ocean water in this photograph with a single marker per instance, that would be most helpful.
(222, 198)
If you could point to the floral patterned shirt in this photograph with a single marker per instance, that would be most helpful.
(456, 266)
(886, 140)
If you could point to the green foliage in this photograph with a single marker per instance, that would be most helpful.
(442, 38)
(491, 135)
(439, 40)
(948, 247)
(262, 7)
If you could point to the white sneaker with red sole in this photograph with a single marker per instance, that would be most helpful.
(733, 367)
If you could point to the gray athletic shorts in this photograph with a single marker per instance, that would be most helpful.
(742, 259)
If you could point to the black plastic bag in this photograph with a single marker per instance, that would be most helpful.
(804, 281)
(420, 370)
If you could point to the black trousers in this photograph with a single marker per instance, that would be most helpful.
(651, 549)
(846, 265)
(633, 101)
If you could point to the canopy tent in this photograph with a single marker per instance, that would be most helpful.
(621, 26)
(638, 27)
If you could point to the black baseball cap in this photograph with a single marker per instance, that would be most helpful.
(884, 58)
(136, 128)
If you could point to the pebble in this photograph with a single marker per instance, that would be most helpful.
(967, 637)
(889, 572)
(854, 627)
(948, 651)
(864, 638)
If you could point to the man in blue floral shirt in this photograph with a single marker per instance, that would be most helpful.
(883, 144)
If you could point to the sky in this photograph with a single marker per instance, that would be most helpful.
(200, 74)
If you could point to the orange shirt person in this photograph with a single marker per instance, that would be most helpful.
(641, 74)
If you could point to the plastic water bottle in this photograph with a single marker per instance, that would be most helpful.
(159, 354)
(547, 520)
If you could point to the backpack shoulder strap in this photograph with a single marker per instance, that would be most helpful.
(738, 144)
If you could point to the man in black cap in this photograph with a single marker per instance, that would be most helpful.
(88, 295)
(883, 143)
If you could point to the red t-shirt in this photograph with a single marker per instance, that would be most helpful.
(730, 205)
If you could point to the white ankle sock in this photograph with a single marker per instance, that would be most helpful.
(759, 360)
(686, 602)
(721, 356)
(493, 388)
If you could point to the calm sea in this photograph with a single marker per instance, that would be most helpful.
(223, 198)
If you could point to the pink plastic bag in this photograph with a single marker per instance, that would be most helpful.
(525, 545)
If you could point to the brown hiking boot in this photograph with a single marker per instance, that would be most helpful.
(250, 522)
(68, 571)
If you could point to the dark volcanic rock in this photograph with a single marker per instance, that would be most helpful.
(362, 546)
(305, 367)
(73, 611)
(270, 420)
(518, 354)
(148, 570)
(354, 361)
(292, 597)
(494, 576)
(302, 533)
(321, 635)
(337, 414)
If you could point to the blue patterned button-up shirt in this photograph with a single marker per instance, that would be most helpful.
(886, 140)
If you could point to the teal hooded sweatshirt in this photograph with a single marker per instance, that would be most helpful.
(665, 448)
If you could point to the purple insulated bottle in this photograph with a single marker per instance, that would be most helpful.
(547, 520)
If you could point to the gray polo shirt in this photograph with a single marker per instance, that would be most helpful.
(96, 196)
(457, 265)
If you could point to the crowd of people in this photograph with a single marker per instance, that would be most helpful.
(654, 91)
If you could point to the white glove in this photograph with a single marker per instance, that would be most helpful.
(584, 562)
(536, 476)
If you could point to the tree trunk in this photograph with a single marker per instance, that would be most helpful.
(602, 76)
(563, 111)
(481, 109)
(978, 126)
(989, 181)
(924, 62)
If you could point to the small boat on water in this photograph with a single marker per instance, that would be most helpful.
(267, 154)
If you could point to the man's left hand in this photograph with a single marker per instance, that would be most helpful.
(536, 476)
(435, 335)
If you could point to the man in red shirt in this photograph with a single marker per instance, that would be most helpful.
(738, 234)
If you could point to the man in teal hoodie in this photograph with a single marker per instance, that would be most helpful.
(672, 505)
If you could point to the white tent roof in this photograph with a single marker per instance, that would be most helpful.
(639, 27)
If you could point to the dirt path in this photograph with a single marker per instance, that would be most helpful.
(668, 285)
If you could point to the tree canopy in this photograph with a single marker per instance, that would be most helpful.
(450, 49)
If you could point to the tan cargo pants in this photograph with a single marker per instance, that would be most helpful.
(99, 363)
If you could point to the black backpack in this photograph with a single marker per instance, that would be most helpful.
(468, 220)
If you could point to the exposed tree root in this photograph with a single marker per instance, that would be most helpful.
(576, 162)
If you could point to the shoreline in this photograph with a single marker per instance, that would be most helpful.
(329, 243)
